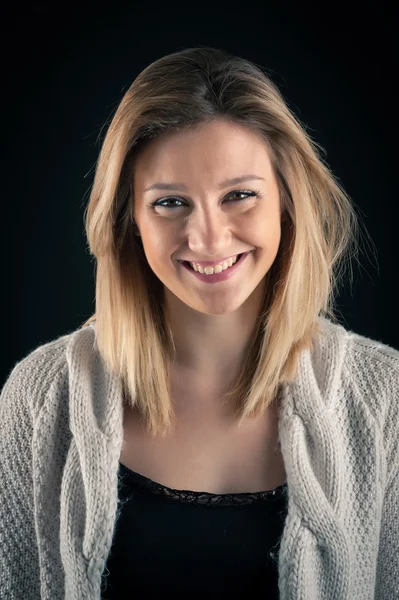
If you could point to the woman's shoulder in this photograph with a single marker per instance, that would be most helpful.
(373, 354)
(358, 345)
(355, 365)
(42, 367)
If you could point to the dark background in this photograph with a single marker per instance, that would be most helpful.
(64, 72)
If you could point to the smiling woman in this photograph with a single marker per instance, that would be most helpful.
(212, 430)
(206, 164)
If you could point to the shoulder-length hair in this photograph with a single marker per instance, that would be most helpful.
(177, 92)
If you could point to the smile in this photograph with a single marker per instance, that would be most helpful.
(210, 270)
(217, 273)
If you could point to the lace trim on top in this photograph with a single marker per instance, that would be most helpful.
(203, 498)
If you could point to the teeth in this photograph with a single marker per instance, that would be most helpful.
(216, 269)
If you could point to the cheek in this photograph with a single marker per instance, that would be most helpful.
(267, 234)
(154, 250)
(155, 241)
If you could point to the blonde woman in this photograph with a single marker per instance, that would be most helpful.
(212, 430)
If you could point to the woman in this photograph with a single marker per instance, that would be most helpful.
(212, 428)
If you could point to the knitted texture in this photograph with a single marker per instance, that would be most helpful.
(61, 434)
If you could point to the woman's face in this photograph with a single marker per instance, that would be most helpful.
(200, 216)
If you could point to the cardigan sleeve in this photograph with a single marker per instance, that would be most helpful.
(19, 560)
(387, 579)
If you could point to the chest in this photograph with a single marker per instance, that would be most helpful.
(207, 454)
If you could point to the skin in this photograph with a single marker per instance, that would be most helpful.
(211, 323)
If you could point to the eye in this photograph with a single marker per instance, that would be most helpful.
(247, 193)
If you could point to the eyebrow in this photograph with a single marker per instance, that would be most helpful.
(181, 186)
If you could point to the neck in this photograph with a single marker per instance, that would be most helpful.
(212, 347)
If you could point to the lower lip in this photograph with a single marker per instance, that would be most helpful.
(216, 277)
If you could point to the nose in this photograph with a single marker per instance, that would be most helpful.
(210, 234)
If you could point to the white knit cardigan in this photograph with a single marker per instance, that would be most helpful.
(61, 432)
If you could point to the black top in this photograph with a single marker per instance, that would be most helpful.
(193, 543)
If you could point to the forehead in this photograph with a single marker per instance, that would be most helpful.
(221, 148)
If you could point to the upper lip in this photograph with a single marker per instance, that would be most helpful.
(210, 263)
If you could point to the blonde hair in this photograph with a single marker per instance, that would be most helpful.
(177, 92)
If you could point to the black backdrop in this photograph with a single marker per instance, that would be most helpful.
(65, 69)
